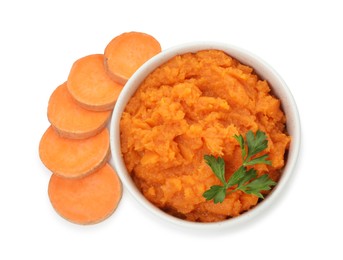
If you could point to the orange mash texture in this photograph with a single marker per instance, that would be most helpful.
(191, 106)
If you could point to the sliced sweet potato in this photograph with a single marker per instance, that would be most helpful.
(73, 158)
(127, 52)
(91, 86)
(87, 200)
(72, 121)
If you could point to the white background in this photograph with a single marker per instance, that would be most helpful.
(39, 42)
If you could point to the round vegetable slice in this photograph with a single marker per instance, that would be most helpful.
(73, 158)
(72, 121)
(87, 200)
(125, 53)
(91, 86)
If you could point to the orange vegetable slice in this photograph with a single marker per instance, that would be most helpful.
(127, 52)
(87, 200)
(91, 86)
(72, 121)
(73, 158)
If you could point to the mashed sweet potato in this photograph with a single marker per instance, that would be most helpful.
(191, 106)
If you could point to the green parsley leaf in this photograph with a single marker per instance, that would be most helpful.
(261, 183)
(242, 179)
(258, 160)
(241, 142)
(217, 165)
(256, 143)
(216, 192)
(237, 177)
(246, 177)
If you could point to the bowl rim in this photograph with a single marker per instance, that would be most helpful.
(265, 71)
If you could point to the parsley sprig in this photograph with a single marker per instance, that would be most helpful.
(244, 179)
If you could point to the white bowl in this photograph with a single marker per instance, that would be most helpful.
(279, 89)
